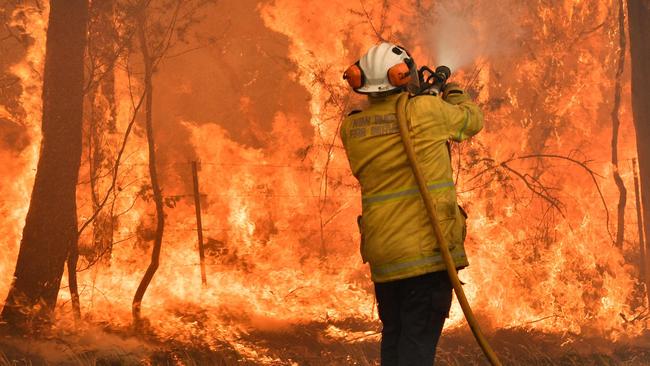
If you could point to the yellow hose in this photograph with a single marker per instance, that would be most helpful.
(442, 242)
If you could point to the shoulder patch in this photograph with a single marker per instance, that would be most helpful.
(354, 112)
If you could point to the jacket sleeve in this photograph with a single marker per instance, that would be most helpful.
(463, 117)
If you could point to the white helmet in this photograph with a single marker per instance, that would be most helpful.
(383, 68)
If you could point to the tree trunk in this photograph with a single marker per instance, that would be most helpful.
(51, 223)
(639, 222)
(101, 102)
(616, 124)
(102, 35)
(639, 21)
(157, 193)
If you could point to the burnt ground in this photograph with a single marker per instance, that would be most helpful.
(309, 345)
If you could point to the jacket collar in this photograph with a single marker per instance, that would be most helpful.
(388, 99)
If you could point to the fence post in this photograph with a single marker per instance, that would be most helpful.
(199, 225)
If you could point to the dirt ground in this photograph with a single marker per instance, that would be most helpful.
(309, 345)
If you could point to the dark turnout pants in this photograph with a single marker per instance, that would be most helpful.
(413, 312)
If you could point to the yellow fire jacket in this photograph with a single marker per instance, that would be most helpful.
(397, 239)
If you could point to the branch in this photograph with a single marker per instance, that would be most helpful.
(537, 187)
(167, 42)
(378, 33)
(115, 167)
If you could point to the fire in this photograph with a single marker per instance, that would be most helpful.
(20, 166)
(279, 218)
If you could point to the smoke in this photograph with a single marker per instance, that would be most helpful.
(459, 34)
(238, 79)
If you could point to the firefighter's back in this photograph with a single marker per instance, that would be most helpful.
(398, 241)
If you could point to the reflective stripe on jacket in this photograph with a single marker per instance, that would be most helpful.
(398, 241)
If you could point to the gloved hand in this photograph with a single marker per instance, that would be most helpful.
(451, 88)
(453, 93)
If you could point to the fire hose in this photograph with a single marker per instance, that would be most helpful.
(442, 242)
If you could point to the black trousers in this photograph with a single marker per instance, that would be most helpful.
(413, 312)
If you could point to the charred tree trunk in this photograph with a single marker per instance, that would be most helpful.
(148, 61)
(51, 223)
(616, 124)
(639, 21)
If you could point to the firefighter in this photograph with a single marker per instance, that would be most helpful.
(412, 288)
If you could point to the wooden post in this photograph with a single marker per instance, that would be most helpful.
(199, 225)
(643, 265)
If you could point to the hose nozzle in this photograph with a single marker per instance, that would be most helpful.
(441, 75)
(432, 82)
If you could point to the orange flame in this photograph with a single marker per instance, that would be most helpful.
(280, 220)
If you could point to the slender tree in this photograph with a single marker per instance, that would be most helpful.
(639, 23)
(100, 118)
(51, 222)
(156, 35)
(616, 124)
(103, 53)
(148, 61)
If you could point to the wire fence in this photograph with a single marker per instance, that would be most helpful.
(312, 222)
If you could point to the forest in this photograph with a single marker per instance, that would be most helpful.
(174, 190)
